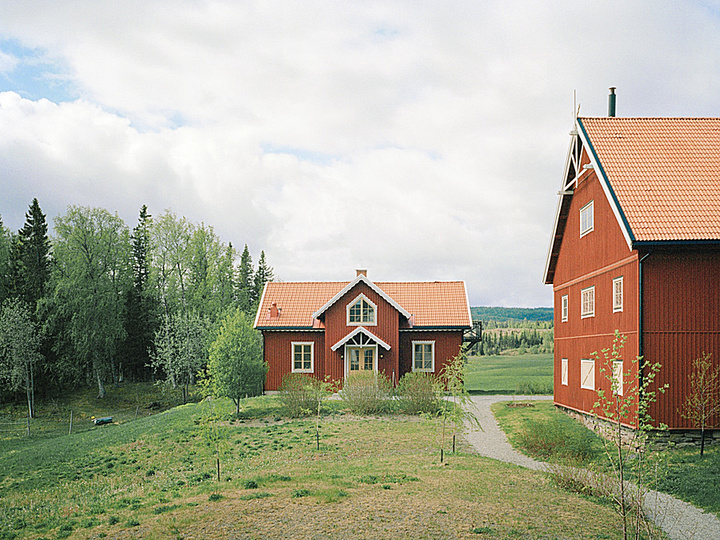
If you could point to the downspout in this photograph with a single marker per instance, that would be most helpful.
(640, 304)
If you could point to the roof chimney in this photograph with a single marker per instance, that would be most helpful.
(611, 102)
(361, 271)
(273, 311)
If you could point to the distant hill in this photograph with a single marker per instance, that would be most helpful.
(501, 314)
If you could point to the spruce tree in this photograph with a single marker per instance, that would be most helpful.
(33, 253)
(245, 282)
(263, 274)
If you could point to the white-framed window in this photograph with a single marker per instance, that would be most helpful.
(361, 311)
(564, 371)
(618, 377)
(587, 218)
(423, 356)
(617, 294)
(587, 374)
(587, 302)
(564, 309)
(303, 357)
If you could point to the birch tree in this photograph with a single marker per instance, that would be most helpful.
(92, 254)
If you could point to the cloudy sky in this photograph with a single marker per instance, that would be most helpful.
(421, 140)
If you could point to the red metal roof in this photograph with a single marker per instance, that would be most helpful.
(432, 304)
(664, 172)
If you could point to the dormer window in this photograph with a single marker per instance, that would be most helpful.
(361, 311)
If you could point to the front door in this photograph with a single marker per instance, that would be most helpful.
(361, 358)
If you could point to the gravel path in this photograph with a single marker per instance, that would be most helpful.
(679, 520)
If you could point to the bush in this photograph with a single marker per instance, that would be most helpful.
(367, 392)
(301, 394)
(534, 388)
(556, 439)
(417, 393)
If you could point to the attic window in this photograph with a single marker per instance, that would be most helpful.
(587, 218)
(361, 311)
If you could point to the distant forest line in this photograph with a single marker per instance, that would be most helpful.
(503, 314)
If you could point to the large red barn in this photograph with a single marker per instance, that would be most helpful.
(636, 248)
(330, 329)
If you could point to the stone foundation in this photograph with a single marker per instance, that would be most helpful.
(678, 438)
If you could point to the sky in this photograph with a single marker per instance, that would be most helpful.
(420, 140)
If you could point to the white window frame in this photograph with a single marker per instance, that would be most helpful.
(587, 302)
(618, 377)
(618, 293)
(587, 374)
(564, 371)
(564, 303)
(587, 218)
(359, 298)
(312, 356)
(432, 356)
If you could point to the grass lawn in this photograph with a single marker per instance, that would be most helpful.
(508, 374)
(376, 477)
(543, 432)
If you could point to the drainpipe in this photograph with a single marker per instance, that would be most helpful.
(640, 308)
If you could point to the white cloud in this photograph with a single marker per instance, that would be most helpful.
(422, 141)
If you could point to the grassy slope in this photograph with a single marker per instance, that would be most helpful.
(680, 471)
(503, 374)
(372, 477)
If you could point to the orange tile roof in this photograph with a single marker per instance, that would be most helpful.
(433, 304)
(664, 172)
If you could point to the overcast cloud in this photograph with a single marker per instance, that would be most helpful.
(420, 140)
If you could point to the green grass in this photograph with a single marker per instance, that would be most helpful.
(508, 374)
(543, 432)
(372, 477)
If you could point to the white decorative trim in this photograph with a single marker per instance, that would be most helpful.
(361, 278)
(360, 330)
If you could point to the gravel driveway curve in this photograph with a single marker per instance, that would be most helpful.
(679, 520)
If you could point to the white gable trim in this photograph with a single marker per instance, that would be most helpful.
(609, 194)
(370, 284)
(360, 330)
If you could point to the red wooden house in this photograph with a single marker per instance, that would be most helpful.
(636, 248)
(336, 328)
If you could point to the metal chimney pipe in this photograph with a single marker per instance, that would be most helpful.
(611, 102)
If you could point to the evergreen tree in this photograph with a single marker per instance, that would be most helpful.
(32, 257)
(140, 315)
(5, 246)
(245, 282)
(263, 274)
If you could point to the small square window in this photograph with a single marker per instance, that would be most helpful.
(587, 218)
(618, 377)
(303, 357)
(617, 294)
(424, 356)
(564, 310)
(587, 302)
(587, 374)
(564, 371)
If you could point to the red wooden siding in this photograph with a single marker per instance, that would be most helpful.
(594, 260)
(681, 320)
(447, 347)
(336, 328)
(278, 355)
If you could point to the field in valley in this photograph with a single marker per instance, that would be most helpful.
(510, 374)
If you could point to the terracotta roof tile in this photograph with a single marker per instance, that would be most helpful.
(665, 173)
(434, 304)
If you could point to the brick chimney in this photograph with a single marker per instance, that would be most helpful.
(361, 271)
(274, 311)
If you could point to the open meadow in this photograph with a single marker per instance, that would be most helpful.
(510, 374)
(372, 477)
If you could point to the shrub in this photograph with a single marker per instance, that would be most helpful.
(301, 394)
(367, 392)
(556, 439)
(533, 388)
(417, 393)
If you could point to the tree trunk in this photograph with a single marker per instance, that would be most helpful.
(702, 440)
(101, 386)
